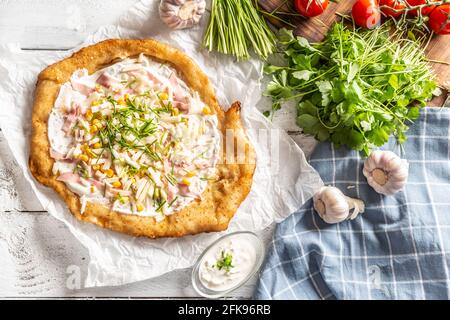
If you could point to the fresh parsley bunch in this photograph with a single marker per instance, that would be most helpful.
(355, 88)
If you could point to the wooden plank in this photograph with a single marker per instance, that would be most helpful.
(14, 189)
(314, 29)
(56, 24)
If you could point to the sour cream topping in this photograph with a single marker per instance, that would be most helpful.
(227, 263)
(135, 137)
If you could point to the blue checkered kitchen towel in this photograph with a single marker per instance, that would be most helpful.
(399, 248)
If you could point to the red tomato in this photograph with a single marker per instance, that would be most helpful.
(440, 19)
(394, 4)
(366, 13)
(311, 8)
(425, 10)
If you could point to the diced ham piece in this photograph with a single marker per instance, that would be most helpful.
(69, 177)
(153, 78)
(82, 88)
(178, 94)
(97, 184)
(171, 191)
(69, 123)
(56, 155)
(181, 106)
(71, 118)
(184, 189)
(107, 81)
(187, 192)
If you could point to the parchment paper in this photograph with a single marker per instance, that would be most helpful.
(282, 182)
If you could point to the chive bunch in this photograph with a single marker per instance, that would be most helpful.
(235, 26)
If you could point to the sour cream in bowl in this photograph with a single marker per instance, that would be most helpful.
(227, 264)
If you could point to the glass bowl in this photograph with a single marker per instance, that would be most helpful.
(252, 238)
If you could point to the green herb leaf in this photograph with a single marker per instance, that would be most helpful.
(393, 81)
(225, 262)
(302, 74)
(307, 121)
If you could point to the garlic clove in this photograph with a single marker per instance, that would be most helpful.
(333, 206)
(375, 157)
(386, 173)
(358, 207)
(181, 14)
(392, 162)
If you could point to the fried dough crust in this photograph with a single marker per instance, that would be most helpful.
(219, 201)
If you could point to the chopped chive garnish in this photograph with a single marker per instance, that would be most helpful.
(225, 262)
(161, 204)
(173, 201)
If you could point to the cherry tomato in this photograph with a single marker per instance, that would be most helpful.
(394, 4)
(366, 13)
(311, 8)
(425, 10)
(440, 19)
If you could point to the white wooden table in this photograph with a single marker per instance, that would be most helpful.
(39, 248)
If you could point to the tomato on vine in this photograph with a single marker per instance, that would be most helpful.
(366, 13)
(389, 7)
(425, 10)
(311, 8)
(440, 19)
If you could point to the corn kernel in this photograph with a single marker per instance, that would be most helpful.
(133, 180)
(122, 102)
(140, 207)
(89, 115)
(163, 96)
(175, 111)
(96, 167)
(93, 129)
(186, 181)
(83, 157)
(206, 110)
(92, 189)
(96, 122)
(87, 150)
(191, 174)
(96, 103)
(97, 145)
(109, 173)
(141, 173)
(116, 184)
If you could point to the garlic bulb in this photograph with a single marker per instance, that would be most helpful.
(181, 14)
(385, 172)
(333, 206)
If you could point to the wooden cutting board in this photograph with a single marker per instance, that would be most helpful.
(314, 29)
